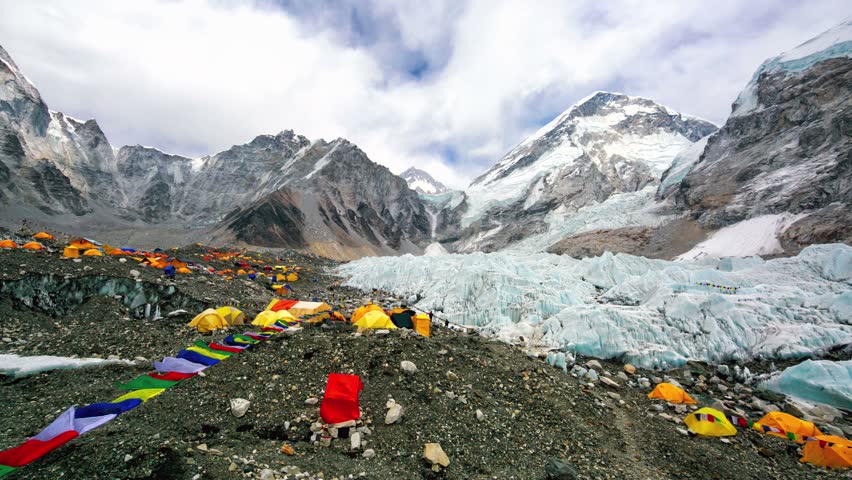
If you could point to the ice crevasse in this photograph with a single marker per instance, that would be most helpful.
(653, 313)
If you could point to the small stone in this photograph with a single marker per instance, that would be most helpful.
(680, 408)
(135, 273)
(128, 458)
(267, 474)
(629, 369)
(311, 401)
(765, 452)
(394, 414)
(239, 406)
(594, 365)
(369, 453)
(608, 382)
(355, 441)
(202, 447)
(623, 376)
(286, 449)
(434, 454)
(614, 395)
(233, 467)
(683, 431)
(592, 374)
(7, 340)
(452, 376)
(559, 469)
(479, 414)
(408, 367)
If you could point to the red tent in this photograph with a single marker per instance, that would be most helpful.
(340, 402)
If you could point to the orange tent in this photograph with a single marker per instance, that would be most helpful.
(183, 270)
(93, 252)
(8, 244)
(71, 252)
(671, 393)
(33, 246)
(789, 423)
(118, 251)
(82, 244)
(43, 236)
(838, 455)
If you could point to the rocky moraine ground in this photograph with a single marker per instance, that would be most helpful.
(496, 411)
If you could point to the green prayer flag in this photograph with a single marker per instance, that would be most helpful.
(6, 470)
(143, 382)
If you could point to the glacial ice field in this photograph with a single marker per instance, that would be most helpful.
(818, 381)
(653, 313)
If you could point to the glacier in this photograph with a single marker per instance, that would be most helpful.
(820, 381)
(652, 313)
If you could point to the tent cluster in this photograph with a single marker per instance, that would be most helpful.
(167, 373)
(32, 245)
(822, 450)
(373, 316)
(720, 287)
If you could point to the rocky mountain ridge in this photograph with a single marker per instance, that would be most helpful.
(52, 166)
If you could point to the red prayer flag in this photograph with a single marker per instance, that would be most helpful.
(171, 376)
(340, 402)
(32, 449)
(223, 348)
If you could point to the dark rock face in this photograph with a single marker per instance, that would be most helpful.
(55, 189)
(274, 221)
(792, 155)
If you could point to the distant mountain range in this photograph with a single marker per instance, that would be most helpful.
(613, 172)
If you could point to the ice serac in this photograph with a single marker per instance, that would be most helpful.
(652, 313)
(820, 381)
(422, 182)
(606, 144)
(787, 147)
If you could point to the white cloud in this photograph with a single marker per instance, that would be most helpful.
(195, 77)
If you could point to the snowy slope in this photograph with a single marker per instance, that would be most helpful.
(422, 182)
(755, 236)
(650, 312)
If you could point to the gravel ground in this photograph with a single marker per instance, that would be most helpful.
(530, 412)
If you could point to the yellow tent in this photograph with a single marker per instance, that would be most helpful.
(71, 252)
(361, 311)
(232, 315)
(82, 244)
(207, 321)
(308, 308)
(375, 319)
(33, 246)
(292, 277)
(145, 394)
(93, 252)
(789, 423)
(838, 455)
(8, 244)
(671, 393)
(43, 236)
(422, 324)
(268, 317)
(710, 423)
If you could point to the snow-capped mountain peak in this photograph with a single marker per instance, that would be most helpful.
(605, 143)
(422, 182)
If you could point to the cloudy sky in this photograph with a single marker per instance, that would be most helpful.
(445, 85)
